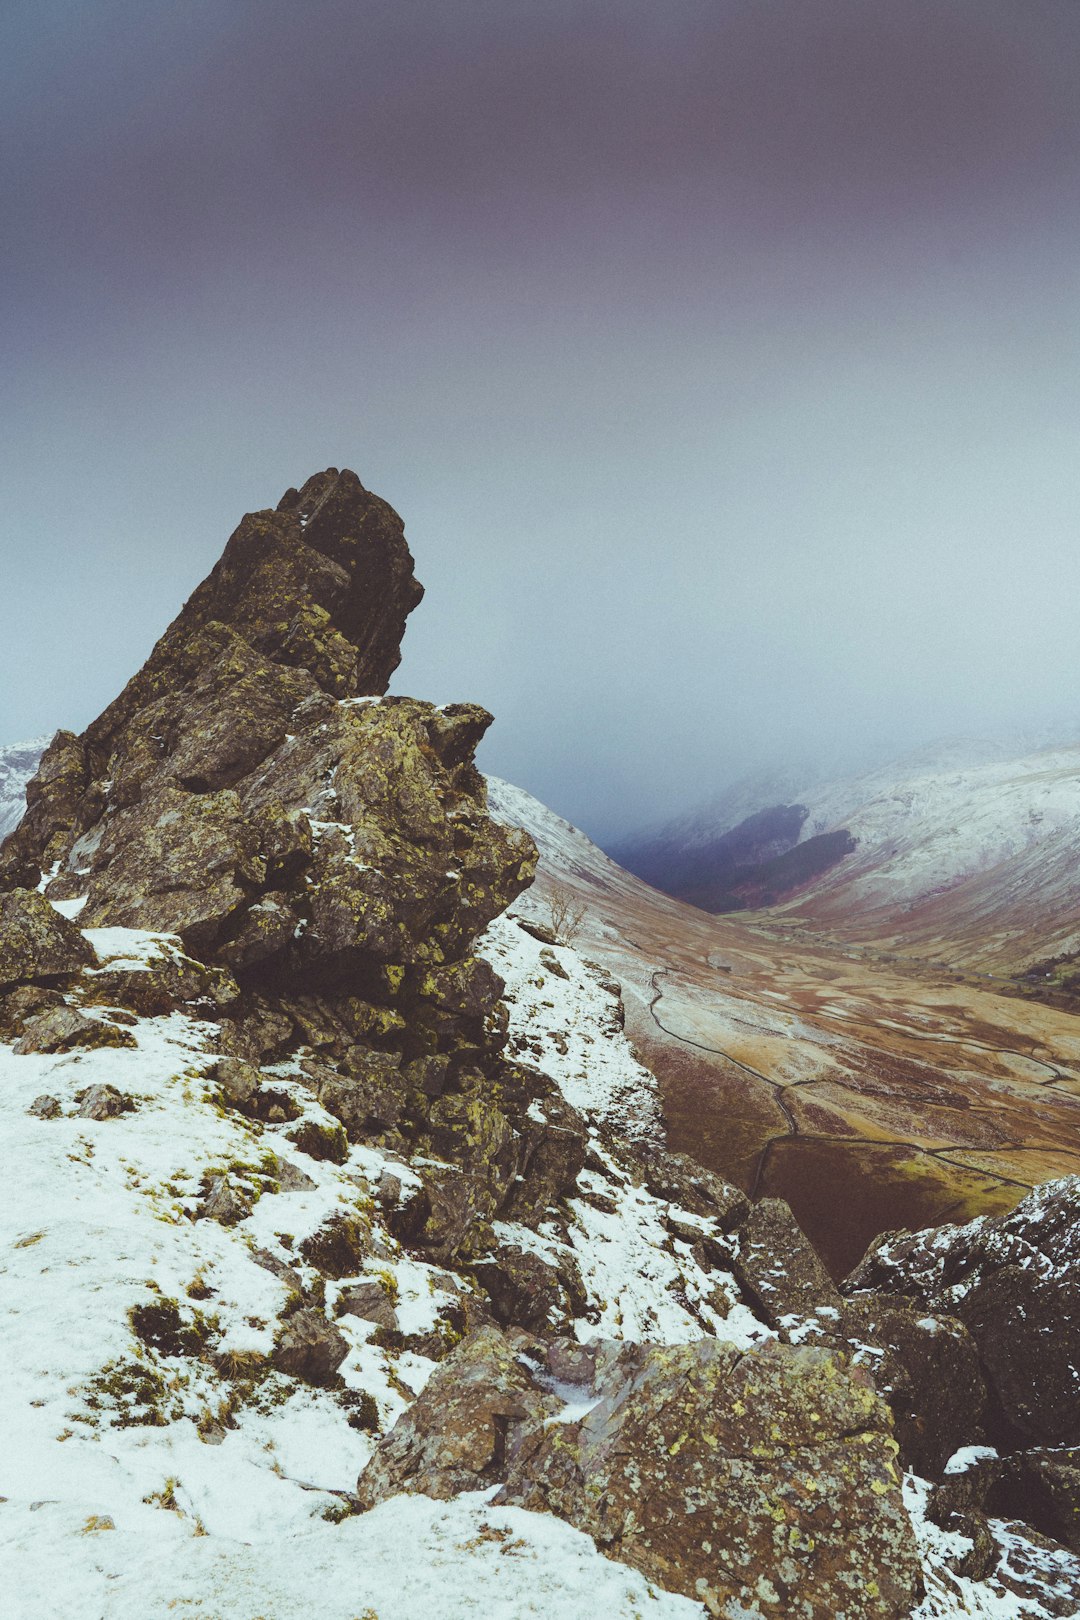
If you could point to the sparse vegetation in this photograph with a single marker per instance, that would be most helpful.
(564, 913)
(161, 1325)
(129, 1395)
(166, 1497)
(362, 1410)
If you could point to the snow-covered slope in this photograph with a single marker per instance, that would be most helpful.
(565, 851)
(965, 851)
(18, 762)
(175, 1468)
(982, 856)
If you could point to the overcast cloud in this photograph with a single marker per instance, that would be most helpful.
(723, 359)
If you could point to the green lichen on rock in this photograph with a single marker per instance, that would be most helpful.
(36, 942)
(340, 1246)
(741, 1479)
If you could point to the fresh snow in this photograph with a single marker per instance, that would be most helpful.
(219, 1508)
(563, 1020)
(18, 763)
(950, 1596)
(147, 1521)
(641, 1283)
(409, 1559)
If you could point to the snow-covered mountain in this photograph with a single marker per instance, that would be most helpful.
(18, 762)
(350, 1259)
(962, 852)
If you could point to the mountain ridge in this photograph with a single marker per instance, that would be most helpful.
(967, 860)
(389, 1260)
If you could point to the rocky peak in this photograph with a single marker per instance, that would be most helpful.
(322, 584)
(255, 837)
(250, 791)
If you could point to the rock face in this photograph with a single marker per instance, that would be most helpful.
(1013, 1282)
(758, 1483)
(315, 860)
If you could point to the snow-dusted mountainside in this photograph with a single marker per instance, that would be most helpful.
(167, 1458)
(345, 1263)
(962, 853)
(18, 762)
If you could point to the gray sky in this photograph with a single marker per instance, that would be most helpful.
(722, 358)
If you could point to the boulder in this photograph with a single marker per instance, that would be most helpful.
(321, 1139)
(450, 1217)
(340, 1246)
(758, 1483)
(238, 1080)
(1042, 1488)
(366, 1098)
(677, 1179)
(310, 1347)
(529, 1291)
(927, 1368)
(176, 863)
(44, 1107)
(278, 1268)
(290, 1177)
(103, 1102)
(168, 982)
(17, 1005)
(777, 1267)
(63, 1028)
(370, 1301)
(553, 1141)
(461, 1432)
(226, 1201)
(36, 942)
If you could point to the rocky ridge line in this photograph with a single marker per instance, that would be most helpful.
(305, 867)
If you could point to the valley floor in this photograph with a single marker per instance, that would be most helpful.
(795, 1066)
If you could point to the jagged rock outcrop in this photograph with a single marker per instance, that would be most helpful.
(310, 863)
(323, 853)
(754, 1482)
(1013, 1282)
(241, 794)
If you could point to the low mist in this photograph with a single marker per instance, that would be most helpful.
(722, 364)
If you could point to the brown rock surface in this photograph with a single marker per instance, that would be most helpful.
(310, 1348)
(460, 1433)
(776, 1265)
(61, 1029)
(36, 942)
(927, 1368)
(759, 1483)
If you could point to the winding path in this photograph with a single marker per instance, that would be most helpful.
(792, 1126)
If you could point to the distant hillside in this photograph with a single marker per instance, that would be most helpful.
(956, 854)
(18, 762)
